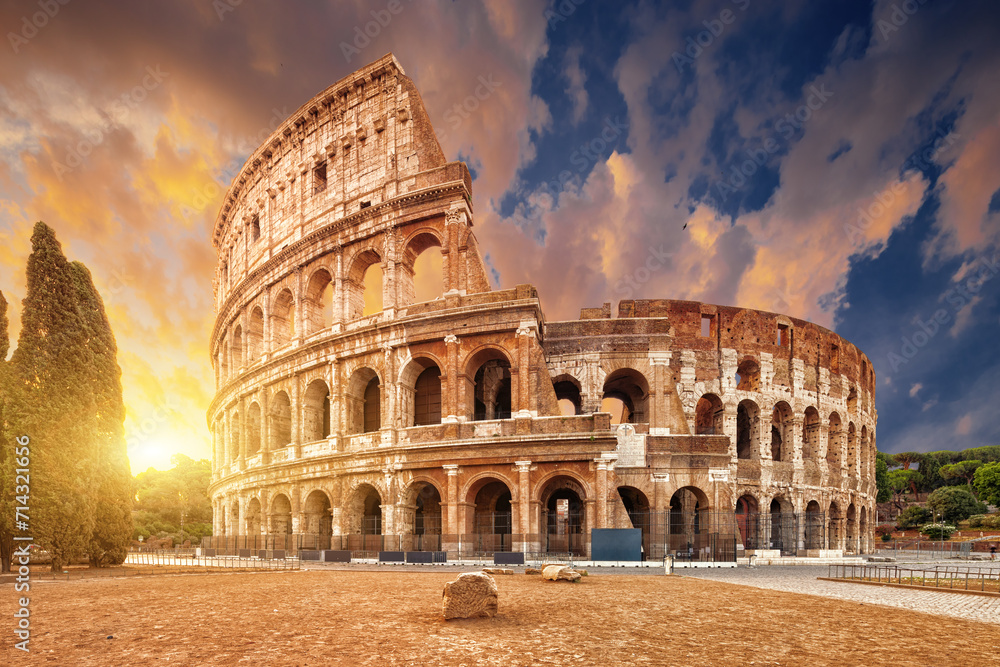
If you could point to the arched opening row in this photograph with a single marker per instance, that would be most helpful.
(419, 278)
(781, 442)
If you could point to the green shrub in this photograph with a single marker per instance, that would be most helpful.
(913, 517)
(938, 531)
(977, 521)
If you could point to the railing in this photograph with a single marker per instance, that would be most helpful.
(948, 577)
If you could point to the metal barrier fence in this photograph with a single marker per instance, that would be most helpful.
(188, 560)
(690, 536)
(952, 577)
(935, 549)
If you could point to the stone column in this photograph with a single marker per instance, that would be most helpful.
(601, 509)
(524, 503)
(452, 408)
(525, 336)
(451, 531)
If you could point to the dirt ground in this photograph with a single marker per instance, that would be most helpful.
(394, 618)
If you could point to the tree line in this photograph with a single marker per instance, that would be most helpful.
(977, 469)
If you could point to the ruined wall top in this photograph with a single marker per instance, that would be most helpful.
(363, 140)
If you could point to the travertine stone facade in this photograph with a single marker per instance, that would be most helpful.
(470, 415)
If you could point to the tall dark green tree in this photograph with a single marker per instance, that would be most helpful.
(64, 393)
(113, 511)
(6, 453)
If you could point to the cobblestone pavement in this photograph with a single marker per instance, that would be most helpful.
(802, 579)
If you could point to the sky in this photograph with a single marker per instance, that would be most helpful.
(834, 161)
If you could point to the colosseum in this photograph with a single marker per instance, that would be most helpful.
(355, 412)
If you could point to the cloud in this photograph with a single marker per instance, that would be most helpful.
(915, 389)
(576, 80)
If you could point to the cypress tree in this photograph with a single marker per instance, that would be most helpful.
(6, 455)
(50, 400)
(113, 512)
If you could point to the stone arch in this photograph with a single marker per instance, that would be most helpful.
(852, 528)
(317, 514)
(781, 525)
(562, 499)
(748, 375)
(364, 401)
(748, 520)
(625, 396)
(253, 517)
(280, 420)
(420, 391)
(810, 434)
(318, 302)
(863, 530)
(316, 411)
(237, 347)
(781, 432)
(852, 401)
(709, 415)
(420, 274)
(835, 441)
(220, 442)
(747, 430)
(363, 510)
(234, 436)
(815, 524)
(489, 395)
(689, 521)
(282, 318)
(490, 514)
(421, 504)
(253, 428)
(281, 515)
(833, 521)
(568, 394)
(255, 335)
(359, 300)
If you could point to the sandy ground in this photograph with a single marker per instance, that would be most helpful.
(394, 618)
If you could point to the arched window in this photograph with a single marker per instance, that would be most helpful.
(373, 406)
(280, 421)
(253, 429)
(748, 376)
(708, 415)
(316, 412)
(363, 286)
(319, 302)
(625, 395)
(568, 395)
(421, 274)
(283, 318)
(255, 335)
(747, 430)
(427, 397)
(364, 403)
(237, 350)
(781, 432)
(810, 435)
(489, 395)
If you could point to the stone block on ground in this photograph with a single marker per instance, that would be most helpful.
(497, 570)
(532, 570)
(472, 595)
(560, 573)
